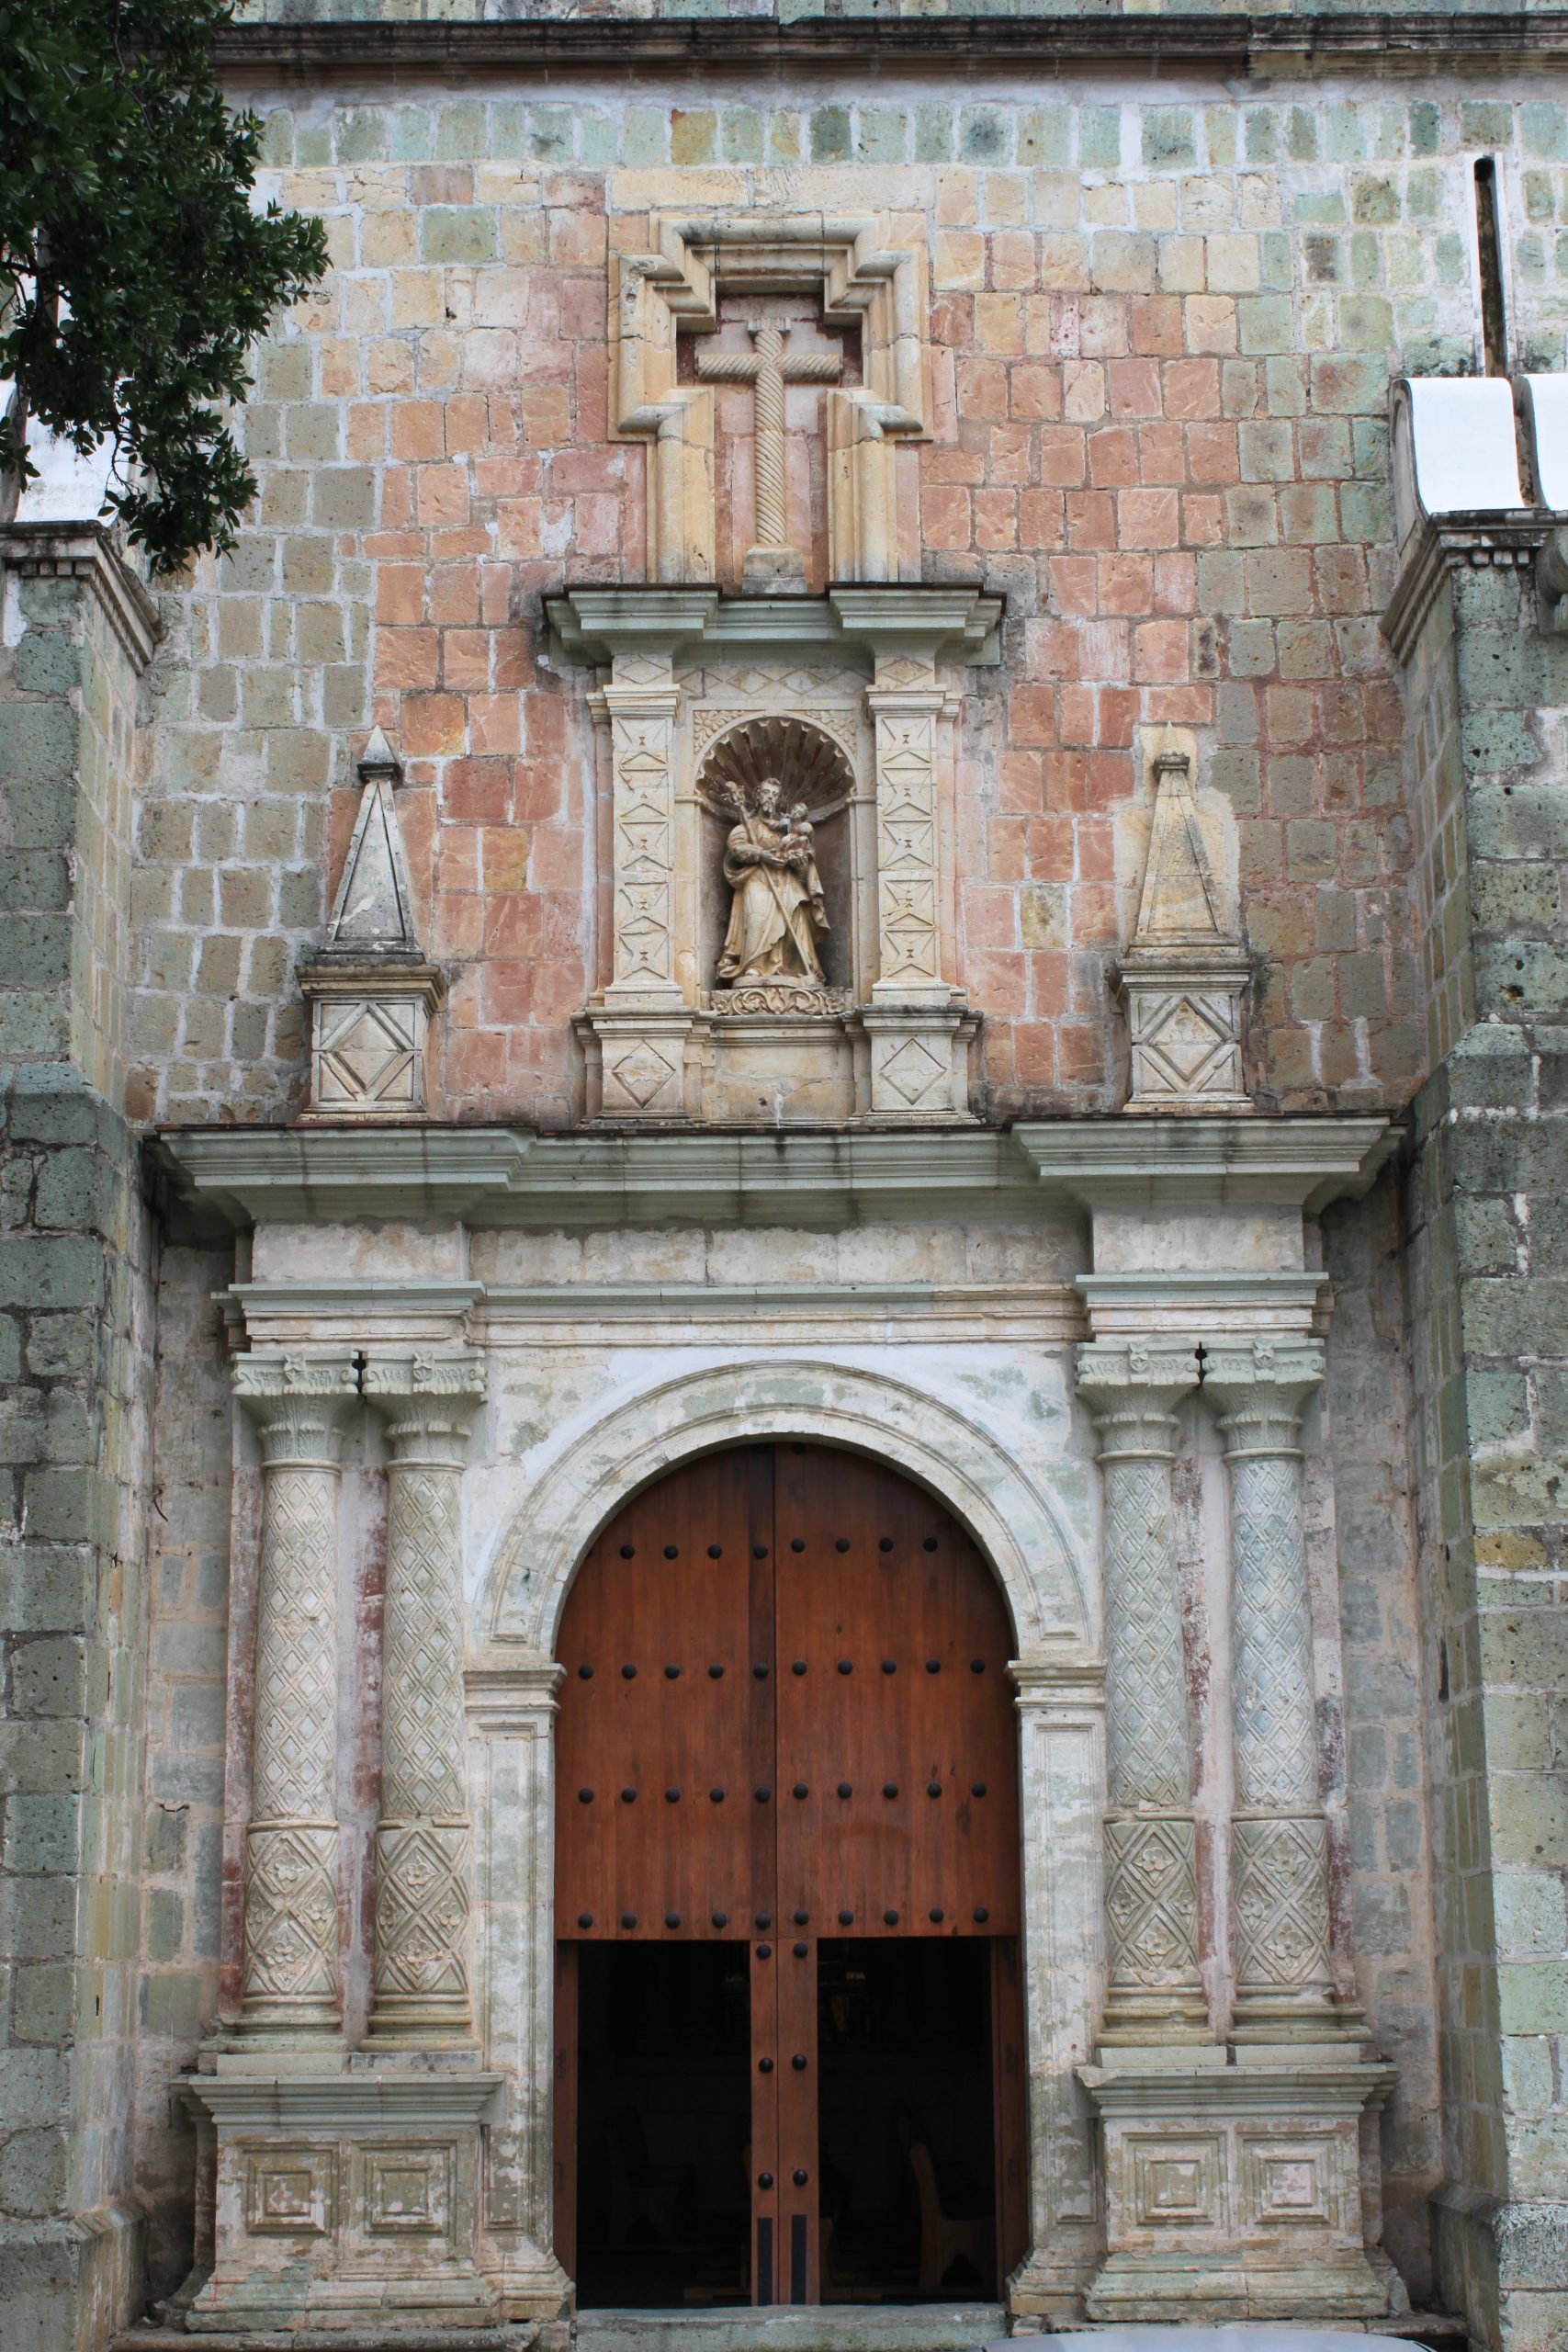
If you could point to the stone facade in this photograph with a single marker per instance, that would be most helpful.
(1165, 1171)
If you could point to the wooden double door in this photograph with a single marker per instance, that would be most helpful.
(786, 1737)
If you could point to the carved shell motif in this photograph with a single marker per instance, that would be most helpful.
(807, 763)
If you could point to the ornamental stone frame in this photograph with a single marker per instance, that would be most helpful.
(862, 281)
(658, 1046)
(1057, 1675)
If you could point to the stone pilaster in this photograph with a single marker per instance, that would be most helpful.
(1153, 1991)
(1279, 1837)
(290, 1988)
(421, 1985)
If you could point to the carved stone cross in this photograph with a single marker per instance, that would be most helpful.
(772, 562)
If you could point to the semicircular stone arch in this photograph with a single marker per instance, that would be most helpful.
(1019, 1528)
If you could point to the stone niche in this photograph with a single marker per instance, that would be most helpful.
(837, 997)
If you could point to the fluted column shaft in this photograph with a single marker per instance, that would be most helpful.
(421, 1980)
(290, 1984)
(1279, 1837)
(1154, 1990)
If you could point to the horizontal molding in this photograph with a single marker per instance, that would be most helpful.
(500, 1177)
(1385, 44)
(576, 1314)
(358, 2098)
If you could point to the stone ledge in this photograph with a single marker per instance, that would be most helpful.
(492, 1177)
(1261, 46)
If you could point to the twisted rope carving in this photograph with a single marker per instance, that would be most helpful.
(769, 367)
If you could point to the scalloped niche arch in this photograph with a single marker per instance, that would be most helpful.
(862, 281)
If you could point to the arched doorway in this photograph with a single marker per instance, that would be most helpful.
(789, 2030)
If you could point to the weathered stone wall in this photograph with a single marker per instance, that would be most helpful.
(188, 1609)
(1163, 338)
(1490, 1314)
(76, 1263)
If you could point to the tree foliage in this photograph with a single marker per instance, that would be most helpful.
(134, 272)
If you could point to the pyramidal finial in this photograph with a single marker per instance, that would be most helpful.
(379, 759)
(373, 912)
(1178, 902)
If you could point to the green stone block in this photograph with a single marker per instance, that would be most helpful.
(412, 137)
(37, 740)
(457, 232)
(509, 129)
(175, 2002)
(460, 131)
(1426, 128)
(1099, 138)
(984, 135)
(1543, 130)
(550, 134)
(646, 139)
(882, 134)
(831, 136)
(1301, 135)
(743, 131)
(1044, 136)
(359, 134)
(43, 1834)
(1262, 134)
(1485, 124)
(1532, 1995)
(933, 134)
(1170, 138)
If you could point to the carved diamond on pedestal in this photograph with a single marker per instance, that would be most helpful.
(913, 1072)
(1186, 1044)
(1184, 975)
(642, 1074)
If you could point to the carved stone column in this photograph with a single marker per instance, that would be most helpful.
(637, 1038)
(1153, 1991)
(421, 1984)
(917, 1029)
(290, 1988)
(1279, 1838)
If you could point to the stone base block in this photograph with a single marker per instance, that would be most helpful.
(346, 2203)
(917, 1062)
(1234, 2191)
(642, 1063)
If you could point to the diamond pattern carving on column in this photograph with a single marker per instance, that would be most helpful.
(420, 1992)
(1279, 1869)
(907, 851)
(1154, 1991)
(1278, 1841)
(290, 1981)
(645, 851)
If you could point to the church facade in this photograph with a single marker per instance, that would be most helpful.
(785, 1322)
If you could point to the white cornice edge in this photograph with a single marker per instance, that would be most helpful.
(88, 551)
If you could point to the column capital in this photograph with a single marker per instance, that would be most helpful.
(1258, 1389)
(1133, 1389)
(427, 1397)
(297, 1397)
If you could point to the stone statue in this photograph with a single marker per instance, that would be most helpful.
(776, 914)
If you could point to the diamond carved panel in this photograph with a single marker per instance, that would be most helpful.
(290, 2192)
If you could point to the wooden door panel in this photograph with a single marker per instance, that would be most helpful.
(896, 1722)
(658, 1719)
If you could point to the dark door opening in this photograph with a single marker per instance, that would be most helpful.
(664, 2124)
(907, 2162)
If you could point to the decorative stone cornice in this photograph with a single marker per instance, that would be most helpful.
(1457, 543)
(356, 2096)
(925, 621)
(492, 1177)
(1228, 46)
(88, 552)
